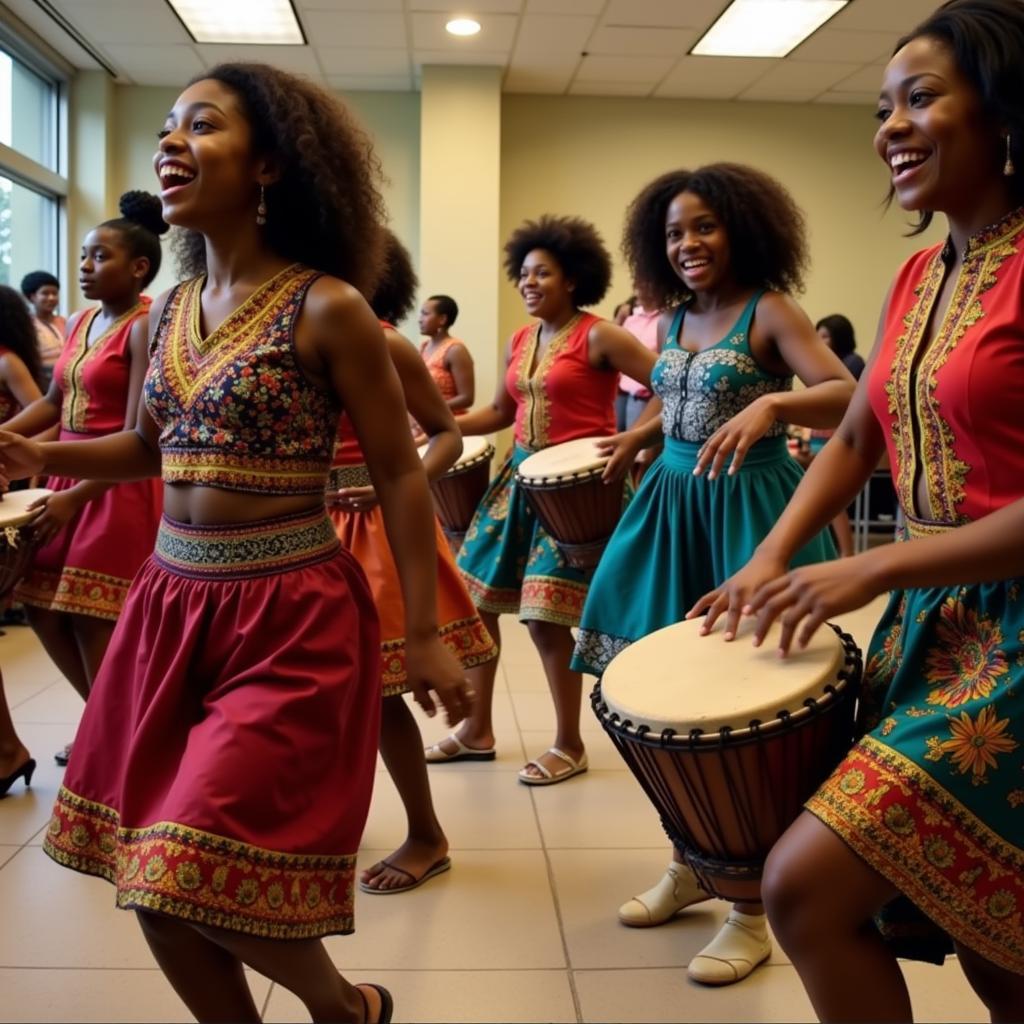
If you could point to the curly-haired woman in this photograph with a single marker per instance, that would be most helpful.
(915, 845)
(725, 246)
(223, 769)
(559, 384)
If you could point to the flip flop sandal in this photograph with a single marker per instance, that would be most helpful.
(435, 755)
(387, 1004)
(548, 777)
(437, 868)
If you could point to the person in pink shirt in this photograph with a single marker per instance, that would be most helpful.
(642, 323)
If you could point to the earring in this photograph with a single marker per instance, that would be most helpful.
(1008, 169)
(261, 210)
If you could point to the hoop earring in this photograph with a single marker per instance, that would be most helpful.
(261, 209)
(1008, 169)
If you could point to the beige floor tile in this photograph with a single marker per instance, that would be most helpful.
(591, 885)
(478, 811)
(56, 703)
(24, 660)
(508, 745)
(494, 907)
(601, 751)
(19, 687)
(6, 853)
(25, 811)
(942, 994)
(769, 994)
(107, 995)
(599, 809)
(54, 917)
(536, 713)
(441, 996)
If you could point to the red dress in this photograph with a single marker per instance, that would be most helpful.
(223, 769)
(88, 566)
(443, 377)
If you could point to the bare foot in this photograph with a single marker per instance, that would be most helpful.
(554, 764)
(406, 866)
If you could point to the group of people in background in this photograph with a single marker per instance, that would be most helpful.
(289, 583)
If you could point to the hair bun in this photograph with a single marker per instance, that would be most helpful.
(144, 209)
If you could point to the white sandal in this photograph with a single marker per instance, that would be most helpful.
(435, 754)
(548, 777)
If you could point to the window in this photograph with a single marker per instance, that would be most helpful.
(28, 232)
(28, 112)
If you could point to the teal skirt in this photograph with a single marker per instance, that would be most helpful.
(932, 797)
(682, 536)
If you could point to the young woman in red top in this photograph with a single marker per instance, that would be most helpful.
(447, 358)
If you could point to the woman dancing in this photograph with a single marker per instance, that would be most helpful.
(928, 804)
(223, 768)
(736, 249)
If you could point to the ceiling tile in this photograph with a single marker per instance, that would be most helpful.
(157, 65)
(711, 77)
(867, 79)
(609, 89)
(865, 99)
(606, 68)
(297, 59)
(39, 21)
(564, 6)
(476, 7)
(668, 42)
(853, 46)
(896, 16)
(542, 36)
(138, 22)
(483, 57)
(798, 79)
(355, 28)
(663, 13)
(545, 79)
(497, 32)
(371, 83)
(335, 60)
(348, 5)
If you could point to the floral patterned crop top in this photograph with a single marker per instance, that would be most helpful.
(701, 391)
(235, 409)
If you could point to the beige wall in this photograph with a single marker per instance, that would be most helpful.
(589, 157)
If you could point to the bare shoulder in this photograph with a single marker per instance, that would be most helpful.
(779, 308)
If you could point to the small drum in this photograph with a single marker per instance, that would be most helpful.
(729, 740)
(458, 492)
(563, 484)
(16, 544)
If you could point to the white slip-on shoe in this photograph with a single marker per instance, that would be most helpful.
(740, 946)
(677, 889)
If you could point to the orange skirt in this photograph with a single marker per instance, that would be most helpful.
(459, 626)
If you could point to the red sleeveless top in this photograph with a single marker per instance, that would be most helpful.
(443, 377)
(564, 398)
(953, 410)
(346, 445)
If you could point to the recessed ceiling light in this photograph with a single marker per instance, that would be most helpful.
(259, 22)
(765, 28)
(463, 26)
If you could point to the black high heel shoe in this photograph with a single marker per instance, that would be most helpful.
(25, 771)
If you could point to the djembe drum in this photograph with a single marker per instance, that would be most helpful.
(457, 493)
(17, 542)
(579, 511)
(729, 740)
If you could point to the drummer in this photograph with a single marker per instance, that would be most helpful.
(559, 385)
(359, 522)
(446, 356)
(725, 245)
(929, 804)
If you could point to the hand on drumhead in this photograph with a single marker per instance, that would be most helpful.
(355, 499)
(55, 512)
(733, 597)
(20, 457)
(621, 450)
(434, 675)
(804, 599)
(735, 438)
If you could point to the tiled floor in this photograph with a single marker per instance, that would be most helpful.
(522, 929)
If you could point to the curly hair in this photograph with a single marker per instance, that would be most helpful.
(576, 246)
(16, 330)
(766, 230)
(32, 282)
(326, 209)
(986, 38)
(396, 289)
(141, 224)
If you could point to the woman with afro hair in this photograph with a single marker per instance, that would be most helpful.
(223, 769)
(560, 383)
(724, 245)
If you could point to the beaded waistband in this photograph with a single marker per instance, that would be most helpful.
(356, 475)
(915, 529)
(245, 550)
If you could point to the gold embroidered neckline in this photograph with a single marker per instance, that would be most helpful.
(548, 356)
(993, 234)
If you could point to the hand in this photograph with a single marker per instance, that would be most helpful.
(622, 451)
(735, 438)
(734, 596)
(355, 499)
(20, 457)
(432, 667)
(55, 512)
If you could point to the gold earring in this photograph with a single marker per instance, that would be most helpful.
(1008, 169)
(261, 210)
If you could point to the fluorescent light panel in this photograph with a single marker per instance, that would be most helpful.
(254, 22)
(463, 26)
(765, 28)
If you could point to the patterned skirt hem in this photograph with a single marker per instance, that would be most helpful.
(955, 870)
(197, 876)
(467, 639)
(595, 651)
(75, 591)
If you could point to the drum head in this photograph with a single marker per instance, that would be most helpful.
(677, 679)
(563, 461)
(474, 449)
(13, 507)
